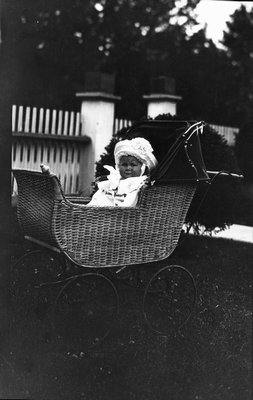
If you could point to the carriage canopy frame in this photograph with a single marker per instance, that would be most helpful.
(177, 148)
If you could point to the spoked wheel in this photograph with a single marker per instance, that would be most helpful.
(84, 311)
(30, 294)
(169, 299)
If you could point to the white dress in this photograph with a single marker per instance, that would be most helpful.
(118, 192)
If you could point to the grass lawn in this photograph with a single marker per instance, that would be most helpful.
(209, 358)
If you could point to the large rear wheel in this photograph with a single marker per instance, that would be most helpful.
(84, 311)
(169, 299)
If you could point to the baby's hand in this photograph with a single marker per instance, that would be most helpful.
(45, 169)
(113, 177)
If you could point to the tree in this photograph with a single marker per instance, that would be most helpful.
(238, 41)
(49, 48)
(60, 40)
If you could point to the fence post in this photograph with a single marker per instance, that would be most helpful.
(162, 99)
(97, 119)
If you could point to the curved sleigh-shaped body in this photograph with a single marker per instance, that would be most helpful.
(103, 236)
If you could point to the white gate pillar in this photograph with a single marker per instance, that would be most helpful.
(162, 99)
(97, 118)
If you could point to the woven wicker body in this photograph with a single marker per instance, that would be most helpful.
(37, 194)
(103, 236)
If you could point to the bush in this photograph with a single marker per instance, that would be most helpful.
(244, 148)
(215, 205)
(219, 207)
(244, 213)
(107, 157)
(220, 204)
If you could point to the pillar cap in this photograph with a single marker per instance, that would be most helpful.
(162, 96)
(98, 96)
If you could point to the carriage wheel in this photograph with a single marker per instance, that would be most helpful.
(169, 299)
(84, 311)
(29, 297)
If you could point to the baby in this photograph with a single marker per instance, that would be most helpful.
(134, 160)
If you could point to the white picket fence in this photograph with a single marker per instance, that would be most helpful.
(120, 123)
(51, 137)
(46, 121)
(228, 132)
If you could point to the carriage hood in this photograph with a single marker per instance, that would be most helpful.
(177, 148)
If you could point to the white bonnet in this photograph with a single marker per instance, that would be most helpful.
(139, 148)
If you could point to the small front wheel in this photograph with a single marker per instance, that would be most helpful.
(169, 299)
(84, 311)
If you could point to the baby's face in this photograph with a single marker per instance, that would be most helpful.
(129, 167)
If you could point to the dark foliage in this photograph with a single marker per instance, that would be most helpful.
(59, 41)
(222, 196)
(107, 157)
(244, 148)
(238, 41)
(215, 205)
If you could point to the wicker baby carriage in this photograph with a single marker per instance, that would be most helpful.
(90, 247)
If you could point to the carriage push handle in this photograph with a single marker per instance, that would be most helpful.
(216, 173)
